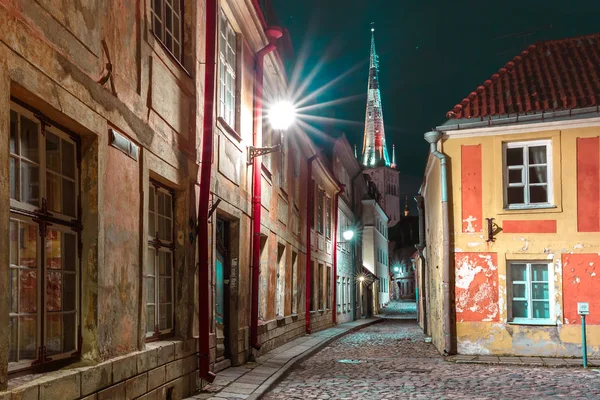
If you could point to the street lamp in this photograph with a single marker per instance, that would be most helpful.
(348, 234)
(281, 116)
(396, 269)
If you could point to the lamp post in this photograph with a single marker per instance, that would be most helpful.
(281, 116)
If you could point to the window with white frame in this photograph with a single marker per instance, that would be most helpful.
(158, 272)
(530, 292)
(338, 296)
(43, 242)
(327, 217)
(167, 24)
(528, 174)
(227, 71)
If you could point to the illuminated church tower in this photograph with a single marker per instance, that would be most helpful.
(375, 156)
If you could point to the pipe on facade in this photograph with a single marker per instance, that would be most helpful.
(310, 199)
(420, 247)
(335, 251)
(448, 322)
(204, 194)
(273, 34)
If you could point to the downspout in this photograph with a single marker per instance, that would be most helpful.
(204, 194)
(420, 247)
(273, 34)
(310, 198)
(335, 251)
(448, 322)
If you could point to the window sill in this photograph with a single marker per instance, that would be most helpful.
(532, 322)
(224, 126)
(526, 209)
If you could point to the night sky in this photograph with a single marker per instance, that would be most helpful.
(432, 54)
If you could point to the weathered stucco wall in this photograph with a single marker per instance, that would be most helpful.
(566, 236)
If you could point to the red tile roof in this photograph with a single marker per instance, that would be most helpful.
(552, 75)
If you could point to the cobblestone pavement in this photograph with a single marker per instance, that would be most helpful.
(390, 360)
(400, 310)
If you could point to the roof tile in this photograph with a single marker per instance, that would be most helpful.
(547, 76)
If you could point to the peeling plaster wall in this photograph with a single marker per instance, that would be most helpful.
(476, 287)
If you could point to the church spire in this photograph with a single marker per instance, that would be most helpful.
(406, 209)
(393, 164)
(355, 153)
(375, 151)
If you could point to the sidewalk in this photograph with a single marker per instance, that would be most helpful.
(524, 361)
(252, 380)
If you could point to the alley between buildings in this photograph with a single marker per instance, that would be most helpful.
(391, 360)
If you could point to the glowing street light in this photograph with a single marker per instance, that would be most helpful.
(348, 234)
(362, 279)
(282, 115)
(396, 269)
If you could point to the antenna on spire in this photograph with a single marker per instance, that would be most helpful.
(393, 165)
(355, 154)
(372, 26)
(406, 209)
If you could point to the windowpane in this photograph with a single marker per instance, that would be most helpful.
(514, 156)
(70, 251)
(157, 7)
(54, 291)
(53, 161)
(537, 155)
(515, 176)
(54, 334)
(150, 319)
(68, 197)
(519, 291)
(162, 316)
(14, 132)
(28, 236)
(70, 332)
(68, 159)
(69, 292)
(516, 195)
(13, 289)
(150, 290)
(168, 18)
(538, 174)
(519, 309)
(53, 250)
(29, 139)
(170, 317)
(519, 272)
(158, 27)
(14, 178)
(28, 291)
(538, 194)
(541, 309)
(53, 192)
(539, 272)
(540, 291)
(13, 242)
(12, 340)
(30, 183)
(149, 270)
(27, 338)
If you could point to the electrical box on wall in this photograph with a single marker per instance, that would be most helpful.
(121, 142)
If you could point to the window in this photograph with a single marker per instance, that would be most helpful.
(313, 189)
(530, 292)
(294, 279)
(314, 278)
(167, 24)
(320, 198)
(528, 174)
(159, 266)
(328, 217)
(280, 281)
(283, 168)
(328, 283)
(338, 298)
(43, 242)
(320, 283)
(227, 70)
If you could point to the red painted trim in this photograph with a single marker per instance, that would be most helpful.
(204, 195)
(310, 198)
(580, 283)
(335, 232)
(257, 191)
(588, 188)
(529, 226)
(471, 193)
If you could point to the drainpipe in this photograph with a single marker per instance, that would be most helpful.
(420, 247)
(204, 195)
(273, 34)
(310, 199)
(448, 323)
(335, 231)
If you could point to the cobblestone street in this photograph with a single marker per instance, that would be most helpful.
(390, 360)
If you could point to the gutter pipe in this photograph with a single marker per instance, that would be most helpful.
(204, 194)
(273, 34)
(310, 198)
(420, 246)
(448, 322)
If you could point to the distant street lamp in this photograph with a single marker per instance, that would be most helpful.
(348, 234)
(396, 269)
(362, 279)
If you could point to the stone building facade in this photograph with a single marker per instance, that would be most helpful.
(101, 121)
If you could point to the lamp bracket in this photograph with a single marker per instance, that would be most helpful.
(254, 152)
